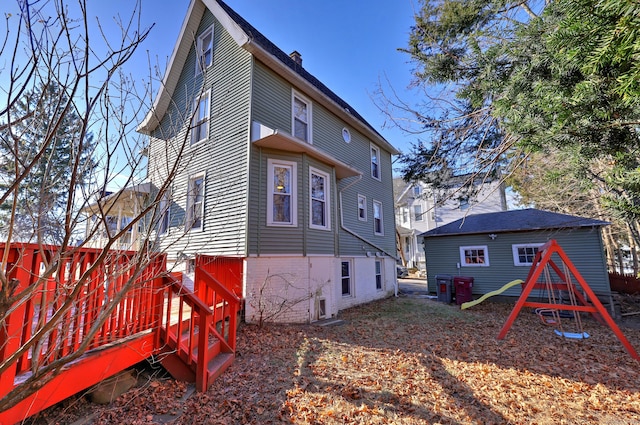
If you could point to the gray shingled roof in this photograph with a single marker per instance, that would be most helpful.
(512, 221)
(266, 44)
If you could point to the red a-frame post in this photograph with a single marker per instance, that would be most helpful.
(595, 307)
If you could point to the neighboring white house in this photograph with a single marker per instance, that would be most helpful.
(113, 213)
(419, 209)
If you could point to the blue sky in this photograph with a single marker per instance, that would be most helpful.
(348, 45)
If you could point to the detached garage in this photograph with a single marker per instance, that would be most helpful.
(496, 248)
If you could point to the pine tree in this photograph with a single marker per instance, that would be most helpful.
(40, 143)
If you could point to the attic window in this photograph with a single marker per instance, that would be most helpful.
(346, 135)
(301, 117)
(204, 49)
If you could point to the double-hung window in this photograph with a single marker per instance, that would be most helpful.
(375, 162)
(319, 199)
(204, 50)
(524, 254)
(362, 208)
(281, 201)
(378, 275)
(474, 256)
(417, 213)
(200, 124)
(378, 227)
(165, 212)
(346, 278)
(195, 203)
(301, 117)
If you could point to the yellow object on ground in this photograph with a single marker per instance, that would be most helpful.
(491, 294)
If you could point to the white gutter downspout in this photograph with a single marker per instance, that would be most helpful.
(351, 232)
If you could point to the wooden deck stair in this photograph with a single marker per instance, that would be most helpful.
(182, 365)
(193, 333)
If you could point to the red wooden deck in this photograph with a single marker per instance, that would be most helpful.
(97, 313)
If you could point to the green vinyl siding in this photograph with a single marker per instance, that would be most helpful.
(319, 241)
(223, 157)
(265, 239)
(270, 99)
(582, 246)
(271, 106)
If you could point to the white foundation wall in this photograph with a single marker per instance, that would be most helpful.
(287, 289)
(363, 287)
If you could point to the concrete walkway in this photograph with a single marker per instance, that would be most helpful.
(413, 288)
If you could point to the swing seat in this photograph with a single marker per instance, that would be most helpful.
(572, 335)
(546, 315)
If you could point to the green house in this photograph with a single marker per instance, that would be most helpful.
(272, 167)
(496, 248)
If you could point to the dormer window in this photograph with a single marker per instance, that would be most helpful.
(204, 50)
(301, 117)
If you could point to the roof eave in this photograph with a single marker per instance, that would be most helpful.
(181, 50)
(283, 141)
(532, 229)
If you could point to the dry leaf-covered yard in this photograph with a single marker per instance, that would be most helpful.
(399, 361)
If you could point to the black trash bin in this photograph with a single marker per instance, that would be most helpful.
(463, 286)
(444, 288)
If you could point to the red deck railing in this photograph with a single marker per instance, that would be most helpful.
(196, 328)
(67, 305)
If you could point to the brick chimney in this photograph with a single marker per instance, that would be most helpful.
(297, 57)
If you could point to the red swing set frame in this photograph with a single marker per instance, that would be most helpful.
(590, 303)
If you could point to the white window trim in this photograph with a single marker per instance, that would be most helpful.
(270, 192)
(381, 233)
(165, 212)
(418, 216)
(189, 219)
(486, 256)
(199, 51)
(306, 101)
(516, 257)
(364, 199)
(377, 149)
(351, 285)
(346, 135)
(195, 124)
(327, 200)
(375, 272)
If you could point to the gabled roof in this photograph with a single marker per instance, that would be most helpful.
(400, 188)
(257, 44)
(512, 221)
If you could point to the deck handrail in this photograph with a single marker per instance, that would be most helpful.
(139, 301)
(225, 305)
(53, 314)
(186, 328)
